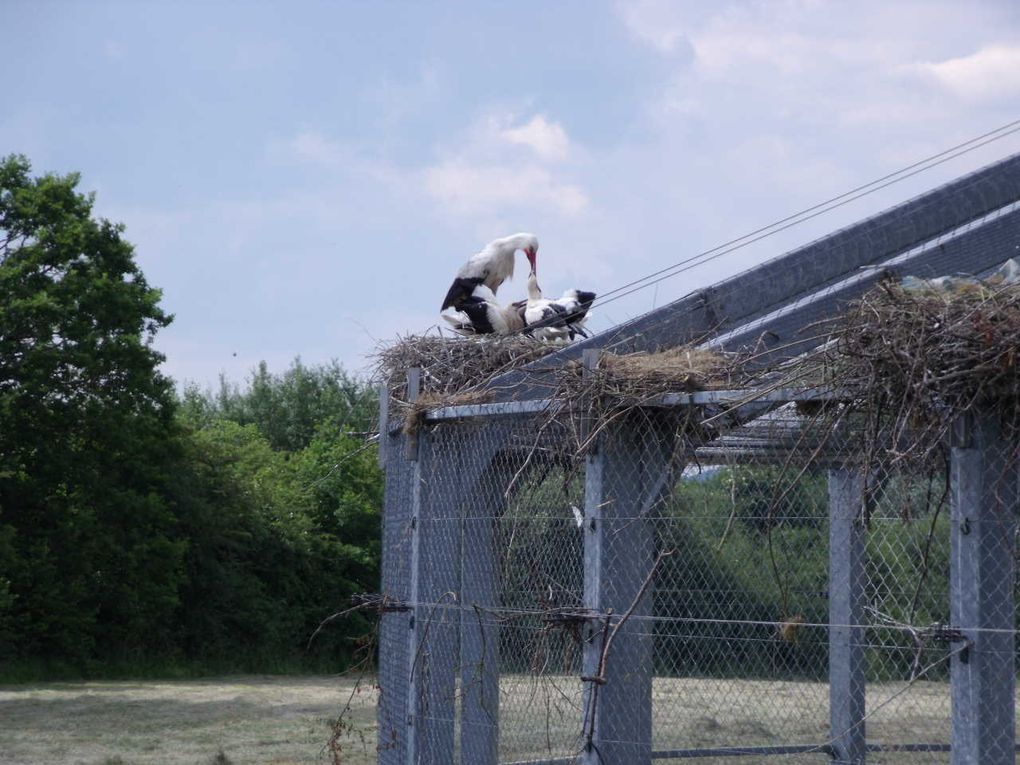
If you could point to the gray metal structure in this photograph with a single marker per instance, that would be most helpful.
(540, 613)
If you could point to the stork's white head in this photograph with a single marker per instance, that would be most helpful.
(528, 243)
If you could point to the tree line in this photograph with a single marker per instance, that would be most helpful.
(147, 530)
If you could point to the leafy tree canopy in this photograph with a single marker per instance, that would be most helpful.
(289, 408)
(142, 531)
(87, 552)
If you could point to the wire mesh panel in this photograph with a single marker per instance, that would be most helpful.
(775, 594)
(540, 558)
(741, 611)
(906, 605)
(528, 532)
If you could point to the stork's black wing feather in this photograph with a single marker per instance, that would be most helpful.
(477, 310)
(460, 291)
(554, 314)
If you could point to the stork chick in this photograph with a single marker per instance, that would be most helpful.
(560, 319)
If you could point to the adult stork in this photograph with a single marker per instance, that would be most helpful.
(559, 319)
(490, 267)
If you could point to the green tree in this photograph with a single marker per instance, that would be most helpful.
(289, 408)
(263, 568)
(89, 558)
(282, 508)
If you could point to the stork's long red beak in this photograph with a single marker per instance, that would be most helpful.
(533, 259)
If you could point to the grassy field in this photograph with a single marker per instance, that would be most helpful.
(288, 720)
(250, 720)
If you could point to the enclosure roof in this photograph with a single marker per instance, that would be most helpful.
(967, 225)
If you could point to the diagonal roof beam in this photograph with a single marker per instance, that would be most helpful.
(765, 289)
(788, 331)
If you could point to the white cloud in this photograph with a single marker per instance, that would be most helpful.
(799, 66)
(991, 72)
(721, 52)
(501, 162)
(662, 24)
(467, 188)
(547, 139)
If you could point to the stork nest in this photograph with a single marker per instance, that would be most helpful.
(913, 361)
(636, 378)
(456, 371)
(451, 366)
(586, 400)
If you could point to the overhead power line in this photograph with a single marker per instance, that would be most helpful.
(807, 214)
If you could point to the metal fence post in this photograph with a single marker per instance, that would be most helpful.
(433, 549)
(846, 615)
(984, 507)
(625, 476)
(396, 587)
(393, 625)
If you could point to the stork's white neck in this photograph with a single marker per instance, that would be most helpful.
(534, 291)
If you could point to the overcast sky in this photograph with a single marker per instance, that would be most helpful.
(305, 178)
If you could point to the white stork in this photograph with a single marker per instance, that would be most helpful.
(559, 319)
(480, 314)
(490, 267)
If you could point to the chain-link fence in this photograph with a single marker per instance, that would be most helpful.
(781, 592)
(772, 520)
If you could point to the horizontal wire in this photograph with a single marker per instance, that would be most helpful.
(582, 612)
(813, 212)
(790, 221)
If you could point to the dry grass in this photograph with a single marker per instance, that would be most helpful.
(636, 376)
(542, 717)
(457, 371)
(287, 720)
(252, 720)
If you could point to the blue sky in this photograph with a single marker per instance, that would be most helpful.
(304, 178)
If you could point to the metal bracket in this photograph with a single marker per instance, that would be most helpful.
(943, 633)
(378, 602)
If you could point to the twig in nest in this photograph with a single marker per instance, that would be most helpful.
(453, 365)
(916, 360)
